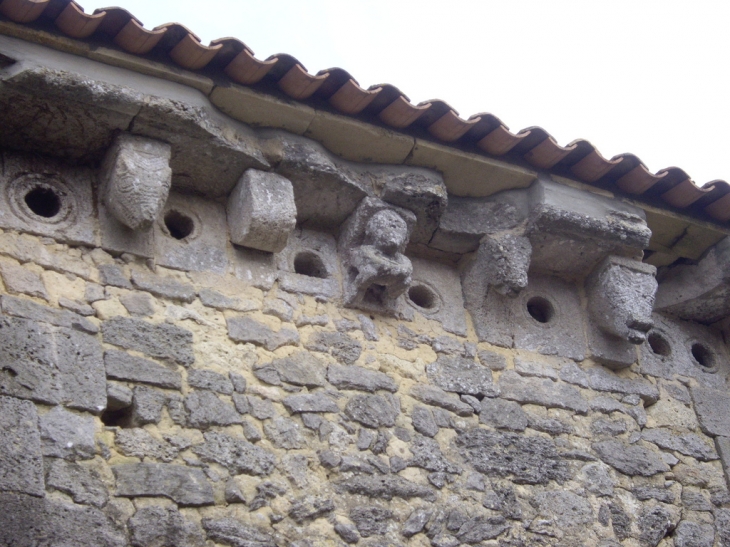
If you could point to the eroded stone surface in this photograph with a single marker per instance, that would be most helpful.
(21, 461)
(184, 485)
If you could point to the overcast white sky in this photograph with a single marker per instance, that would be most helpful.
(647, 77)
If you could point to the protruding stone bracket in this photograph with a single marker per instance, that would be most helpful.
(621, 295)
(136, 179)
(371, 244)
(261, 211)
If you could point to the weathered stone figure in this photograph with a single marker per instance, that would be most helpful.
(379, 273)
(136, 180)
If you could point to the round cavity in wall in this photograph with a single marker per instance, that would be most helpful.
(424, 298)
(43, 201)
(703, 355)
(658, 344)
(179, 225)
(310, 264)
(540, 309)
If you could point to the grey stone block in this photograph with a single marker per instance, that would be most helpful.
(118, 396)
(117, 238)
(310, 402)
(246, 329)
(603, 380)
(112, 274)
(82, 484)
(342, 347)
(137, 442)
(21, 461)
(147, 405)
(261, 211)
(207, 379)
(630, 460)
(120, 365)
(324, 192)
(427, 455)
(76, 307)
(481, 528)
(491, 359)
(66, 192)
(688, 444)
(236, 455)
(155, 525)
(136, 179)
(370, 520)
(597, 479)
(232, 532)
(261, 409)
(191, 235)
(565, 508)
(712, 408)
(525, 460)
(654, 523)
(284, 433)
(423, 421)
(183, 485)
(309, 265)
(20, 307)
(503, 414)
(460, 375)
(43, 363)
(67, 435)
(55, 523)
(162, 341)
(541, 392)
(347, 532)
(214, 299)
(139, 304)
(300, 369)
(206, 409)
(385, 487)
(309, 508)
(436, 293)
(371, 411)
(437, 397)
(164, 287)
(693, 534)
(415, 522)
(359, 378)
(255, 268)
(19, 280)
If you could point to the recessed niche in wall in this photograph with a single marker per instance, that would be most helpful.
(658, 344)
(41, 198)
(179, 225)
(310, 264)
(540, 309)
(424, 298)
(703, 356)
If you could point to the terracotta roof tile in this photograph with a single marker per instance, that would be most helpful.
(382, 104)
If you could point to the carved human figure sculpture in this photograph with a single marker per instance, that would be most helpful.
(621, 296)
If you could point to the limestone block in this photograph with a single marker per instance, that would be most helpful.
(21, 460)
(44, 197)
(309, 265)
(123, 366)
(261, 211)
(325, 192)
(621, 296)
(501, 263)
(712, 407)
(135, 180)
(191, 235)
(461, 375)
(162, 341)
(81, 483)
(155, 525)
(371, 244)
(698, 292)
(630, 460)
(235, 454)
(183, 485)
(255, 268)
(436, 293)
(67, 435)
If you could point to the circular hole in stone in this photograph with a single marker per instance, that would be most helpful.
(703, 355)
(540, 309)
(44, 202)
(423, 297)
(179, 225)
(659, 344)
(309, 264)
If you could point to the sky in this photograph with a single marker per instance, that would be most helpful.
(640, 76)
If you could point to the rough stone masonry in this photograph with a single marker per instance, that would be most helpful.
(215, 335)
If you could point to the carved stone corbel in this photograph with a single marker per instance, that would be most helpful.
(136, 180)
(371, 244)
(621, 295)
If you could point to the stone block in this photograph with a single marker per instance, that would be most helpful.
(233, 532)
(261, 211)
(712, 407)
(183, 485)
(120, 365)
(435, 292)
(435, 396)
(22, 307)
(67, 435)
(541, 392)
(372, 411)
(206, 409)
(191, 235)
(135, 180)
(147, 405)
(81, 483)
(310, 402)
(325, 193)
(118, 396)
(284, 433)
(21, 460)
(359, 378)
(42, 196)
(603, 380)
(255, 268)
(19, 280)
(503, 414)
(371, 520)
(248, 330)
(237, 455)
(385, 487)
(309, 265)
(162, 341)
(155, 525)
(55, 522)
(117, 238)
(51, 365)
(461, 375)
(693, 534)
(207, 379)
(163, 287)
(299, 369)
(620, 295)
(342, 347)
(630, 460)
(137, 442)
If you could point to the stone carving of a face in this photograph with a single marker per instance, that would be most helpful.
(621, 296)
(386, 231)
